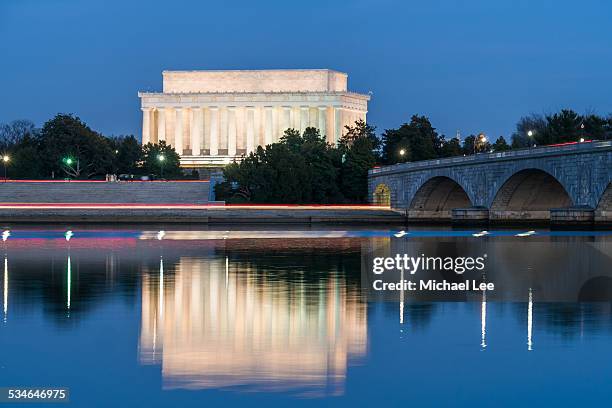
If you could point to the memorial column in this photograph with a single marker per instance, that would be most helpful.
(161, 124)
(269, 124)
(231, 131)
(250, 129)
(214, 131)
(303, 118)
(146, 125)
(178, 130)
(330, 125)
(322, 116)
(197, 119)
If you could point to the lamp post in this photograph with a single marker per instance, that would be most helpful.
(531, 133)
(402, 153)
(5, 160)
(161, 159)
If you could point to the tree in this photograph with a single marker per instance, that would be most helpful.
(68, 146)
(13, 133)
(301, 169)
(151, 163)
(500, 145)
(418, 140)
(127, 154)
(595, 127)
(361, 130)
(324, 162)
(476, 144)
(528, 130)
(25, 160)
(359, 158)
(564, 126)
(450, 148)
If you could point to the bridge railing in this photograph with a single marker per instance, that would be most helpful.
(483, 157)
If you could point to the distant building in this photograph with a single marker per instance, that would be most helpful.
(214, 117)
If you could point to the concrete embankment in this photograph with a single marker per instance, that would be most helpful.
(52, 201)
(132, 192)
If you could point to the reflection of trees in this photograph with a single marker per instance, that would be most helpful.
(91, 278)
(216, 324)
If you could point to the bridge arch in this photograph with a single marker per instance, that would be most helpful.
(605, 201)
(437, 196)
(529, 193)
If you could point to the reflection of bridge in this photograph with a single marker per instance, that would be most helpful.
(515, 185)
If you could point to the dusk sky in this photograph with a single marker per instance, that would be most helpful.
(468, 65)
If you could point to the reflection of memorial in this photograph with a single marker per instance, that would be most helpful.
(213, 326)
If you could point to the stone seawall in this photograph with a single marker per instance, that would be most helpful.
(133, 192)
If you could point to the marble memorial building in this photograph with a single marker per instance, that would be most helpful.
(214, 117)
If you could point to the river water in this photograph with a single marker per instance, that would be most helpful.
(160, 316)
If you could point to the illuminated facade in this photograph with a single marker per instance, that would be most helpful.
(214, 117)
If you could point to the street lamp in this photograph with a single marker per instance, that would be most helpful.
(5, 160)
(402, 152)
(161, 159)
(530, 133)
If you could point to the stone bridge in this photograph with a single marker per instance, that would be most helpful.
(562, 183)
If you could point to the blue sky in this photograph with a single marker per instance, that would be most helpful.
(468, 65)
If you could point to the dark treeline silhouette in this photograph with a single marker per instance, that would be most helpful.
(300, 168)
(419, 140)
(65, 147)
(304, 168)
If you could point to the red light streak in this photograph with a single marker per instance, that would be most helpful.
(103, 181)
(178, 206)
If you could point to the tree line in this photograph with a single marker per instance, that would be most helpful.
(304, 168)
(419, 140)
(300, 168)
(65, 147)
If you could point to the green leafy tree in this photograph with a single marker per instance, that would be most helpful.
(500, 145)
(595, 127)
(564, 126)
(323, 161)
(68, 146)
(418, 140)
(359, 158)
(127, 155)
(299, 169)
(361, 130)
(25, 160)
(450, 148)
(151, 163)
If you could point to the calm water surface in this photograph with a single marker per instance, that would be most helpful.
(147, 316)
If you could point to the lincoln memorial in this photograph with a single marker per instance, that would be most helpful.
(212, 118)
